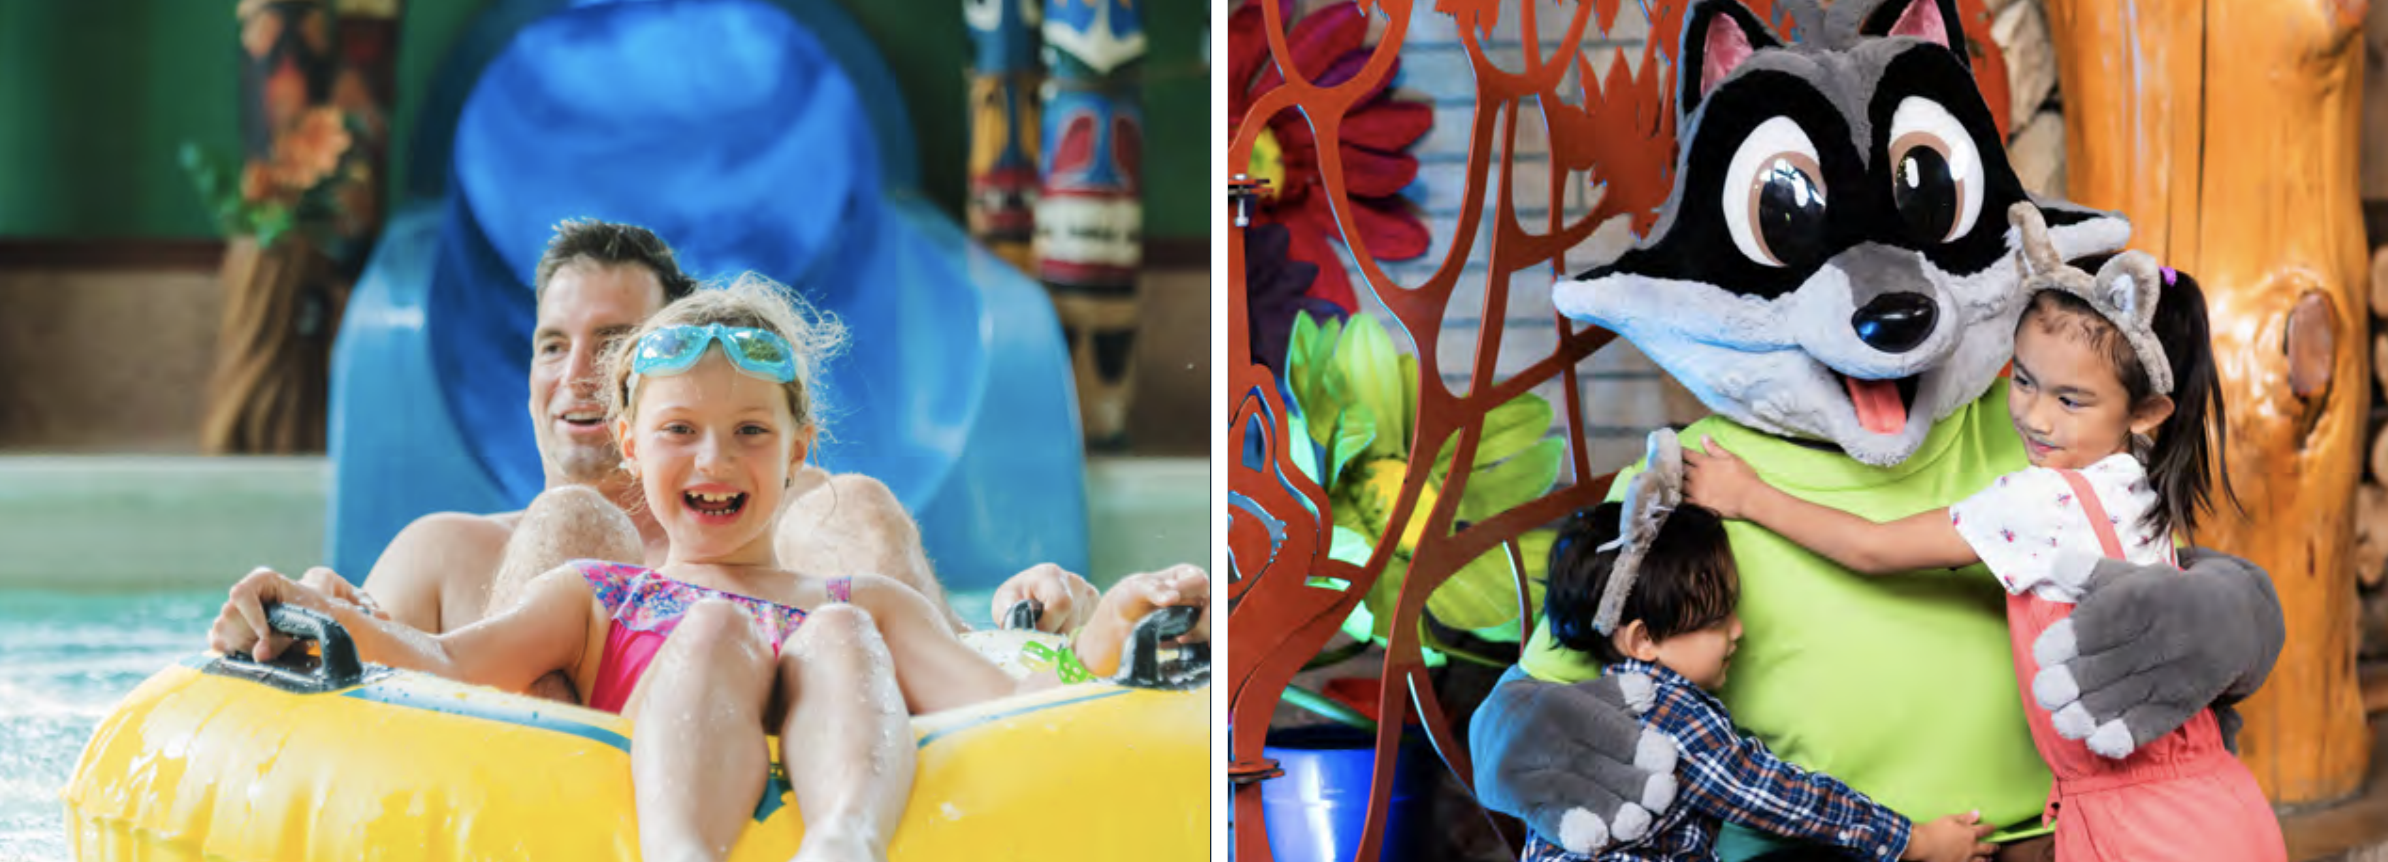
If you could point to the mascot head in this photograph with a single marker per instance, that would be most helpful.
(1834, 263)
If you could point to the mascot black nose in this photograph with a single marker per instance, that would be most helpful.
(1895, 322)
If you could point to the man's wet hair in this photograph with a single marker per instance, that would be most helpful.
(612, 244)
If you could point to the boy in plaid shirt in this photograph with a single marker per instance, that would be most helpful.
(1651, 595)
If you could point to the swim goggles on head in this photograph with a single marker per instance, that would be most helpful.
(675, 349)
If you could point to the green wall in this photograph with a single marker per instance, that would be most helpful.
(97, 95)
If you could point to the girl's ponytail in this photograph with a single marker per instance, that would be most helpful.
(2195, 436)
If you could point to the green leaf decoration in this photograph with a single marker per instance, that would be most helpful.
(1482, 594)
(1360, 625)
(1512, 427)
(1372, 618)
(1304, 453)
(1306, 373)
(1373, 371)
(1347, 514)
(1353, 546)
(1330, 333)
(1508, 429)
(1382, 596)
(1409, 394)
(1353, 434)
(1350, 546)
(1300, 368)
(271, 221)
(1535, 547)
(1512, 483)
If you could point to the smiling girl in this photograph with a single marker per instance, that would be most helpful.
(2115, 397)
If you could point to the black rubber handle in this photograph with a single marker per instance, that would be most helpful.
(1141, 664)
(1023, 615)
(338, 666)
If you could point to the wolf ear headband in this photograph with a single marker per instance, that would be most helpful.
(2124, 291)
(1654, 493)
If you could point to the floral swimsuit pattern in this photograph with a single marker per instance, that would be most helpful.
(645, 606)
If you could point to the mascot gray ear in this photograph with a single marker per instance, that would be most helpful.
(2039, 255)
(1718, 36)
(1933, 21)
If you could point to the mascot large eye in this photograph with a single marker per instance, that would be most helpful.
(1936, 174)
(1774, 195)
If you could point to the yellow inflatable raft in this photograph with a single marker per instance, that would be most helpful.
(224, 760)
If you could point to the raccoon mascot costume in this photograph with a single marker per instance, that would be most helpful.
(1834, 276)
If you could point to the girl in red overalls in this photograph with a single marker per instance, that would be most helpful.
(2113, 391)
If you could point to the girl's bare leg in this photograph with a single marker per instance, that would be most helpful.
(847, 739)
(698, 762)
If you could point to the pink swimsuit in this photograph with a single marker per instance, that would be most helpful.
(2182, 796)
(646, 606)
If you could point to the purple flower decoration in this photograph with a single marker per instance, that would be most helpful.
(1276, 288)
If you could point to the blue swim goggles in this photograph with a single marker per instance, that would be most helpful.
(675, 349)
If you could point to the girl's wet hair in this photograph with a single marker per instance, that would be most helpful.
(2197, 433)
(1687, 581)
(751, 301)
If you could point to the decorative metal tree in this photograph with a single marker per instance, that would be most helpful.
(1286, 598)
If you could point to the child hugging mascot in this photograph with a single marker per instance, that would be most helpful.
(1834, 275)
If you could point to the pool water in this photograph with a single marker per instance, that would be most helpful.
(66, 658)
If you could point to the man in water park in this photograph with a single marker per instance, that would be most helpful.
(595, 283)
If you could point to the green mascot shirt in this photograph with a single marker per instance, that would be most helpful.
(1903, 686)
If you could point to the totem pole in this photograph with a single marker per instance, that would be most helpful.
(1004, 73)
(1089, 220)
(313, 127)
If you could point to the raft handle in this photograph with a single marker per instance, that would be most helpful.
(1141, 664)
(1024, 615)
(338, 667)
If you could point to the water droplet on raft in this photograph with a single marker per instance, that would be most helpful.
(950, 812)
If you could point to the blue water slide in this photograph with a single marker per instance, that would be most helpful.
(754, 135)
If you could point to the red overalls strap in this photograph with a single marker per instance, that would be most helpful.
(2097, 513)
(2113, 546)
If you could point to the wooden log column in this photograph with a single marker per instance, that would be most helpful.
(2226, 131)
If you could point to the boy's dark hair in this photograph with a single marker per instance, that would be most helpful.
(611, 244)
(2197, 433)
(1687, 581)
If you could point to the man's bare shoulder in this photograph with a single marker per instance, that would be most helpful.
(457, 533)
(438, 557)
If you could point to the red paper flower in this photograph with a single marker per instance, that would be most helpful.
(1329, 46)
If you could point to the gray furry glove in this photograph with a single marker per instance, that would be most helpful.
(2148, 647)
(1573, 761)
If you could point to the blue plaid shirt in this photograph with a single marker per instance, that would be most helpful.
(1723, 775)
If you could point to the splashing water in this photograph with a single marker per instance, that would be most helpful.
(65, 660)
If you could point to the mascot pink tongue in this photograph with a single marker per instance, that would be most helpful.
(1878, 406)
